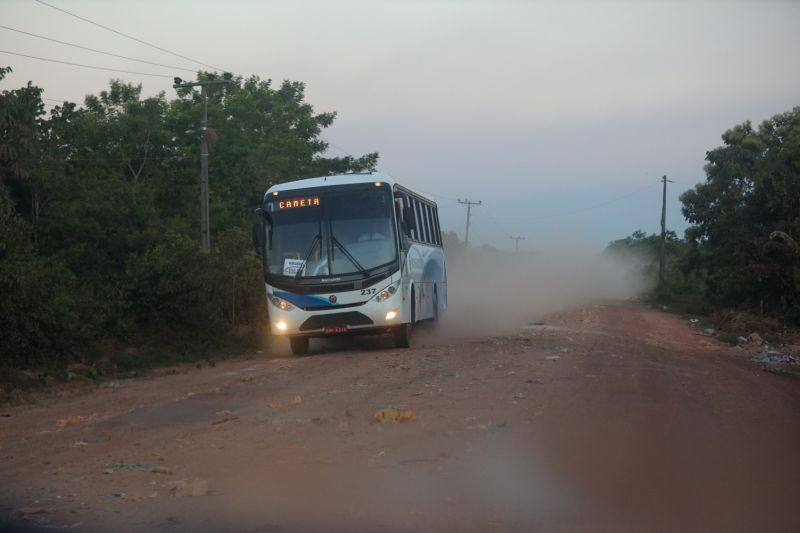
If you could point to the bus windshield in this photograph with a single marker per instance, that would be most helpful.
(334, 232)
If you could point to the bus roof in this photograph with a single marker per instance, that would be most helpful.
(339, 179)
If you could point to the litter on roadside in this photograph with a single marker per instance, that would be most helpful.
(777, 359)
(72, 420)
(390, 414)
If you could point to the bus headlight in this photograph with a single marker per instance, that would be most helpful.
(391, 315)
(280, 303)
(281, 325)
(387, 292)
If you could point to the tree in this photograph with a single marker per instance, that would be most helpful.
(746, 216)
(98, 212)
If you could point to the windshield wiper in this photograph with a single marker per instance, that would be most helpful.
(348, 255)
(317, 238)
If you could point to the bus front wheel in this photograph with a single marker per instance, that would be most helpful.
(402, 335)
(299, 345)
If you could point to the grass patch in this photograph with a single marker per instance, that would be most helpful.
(23, 386)
(789, 372)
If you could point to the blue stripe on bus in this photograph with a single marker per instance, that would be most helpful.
(303, 300)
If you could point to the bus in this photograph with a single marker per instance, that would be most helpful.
(349, 254)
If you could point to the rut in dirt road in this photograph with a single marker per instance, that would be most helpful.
(609, 418)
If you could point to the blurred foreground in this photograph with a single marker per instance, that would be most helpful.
(607, 418)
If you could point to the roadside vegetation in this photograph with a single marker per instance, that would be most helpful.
(741, 251)
(101, 268)
(736, 272)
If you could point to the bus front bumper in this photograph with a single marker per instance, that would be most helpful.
(371, 317)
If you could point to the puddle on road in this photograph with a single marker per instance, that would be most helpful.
(167, 414)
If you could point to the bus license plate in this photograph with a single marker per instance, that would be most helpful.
(336, 329)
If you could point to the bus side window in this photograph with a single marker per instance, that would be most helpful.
(429, 223)
(402, 226)
(438, 230)
(423, 229)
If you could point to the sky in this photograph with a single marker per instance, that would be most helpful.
(560, 117)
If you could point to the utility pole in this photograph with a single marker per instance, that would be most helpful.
(663, 256)
(469, 207)
(205, 224)
(516, 242)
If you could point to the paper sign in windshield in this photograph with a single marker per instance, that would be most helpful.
(292, 266)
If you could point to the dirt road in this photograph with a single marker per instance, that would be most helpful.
(609, 418)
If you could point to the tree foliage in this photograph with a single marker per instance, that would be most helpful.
(99, 212)
(746, 217)
(742, 249)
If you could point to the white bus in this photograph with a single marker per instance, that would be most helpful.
(350, 254)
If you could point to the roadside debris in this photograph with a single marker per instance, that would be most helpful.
(377, 456)
(297, 400)
(117, 494)
(195, 488)
(73, 420)
(535, 381)
(390, 414)
(755, 338)
(143, 467)
(33, 514)
(553, 357)
(776, 359)
(226, 415)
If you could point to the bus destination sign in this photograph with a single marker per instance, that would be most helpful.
(291, 203)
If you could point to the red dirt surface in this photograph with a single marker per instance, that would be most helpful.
(609, 418)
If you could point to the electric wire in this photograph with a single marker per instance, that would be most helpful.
(87, 66)
(575, 211)
(95, 50)
(70, 159)
(129, 36)
(345, 152)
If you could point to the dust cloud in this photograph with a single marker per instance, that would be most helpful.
(492, 292)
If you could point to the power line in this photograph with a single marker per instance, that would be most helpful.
(59, 101)
(96, 51)
(86, 66)
(128, 36)
(580, 210)
(68, 159)
(390, 173)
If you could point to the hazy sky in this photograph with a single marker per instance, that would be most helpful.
(560, 117)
